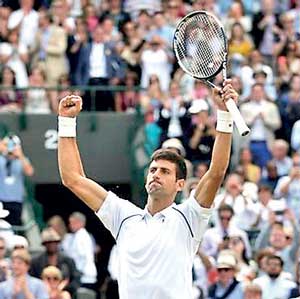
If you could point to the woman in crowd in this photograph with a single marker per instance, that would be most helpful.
(10, 99)
(55, 284)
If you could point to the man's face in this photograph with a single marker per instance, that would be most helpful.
(257, 93)
(161, 179)
(74, 224)
(225, 275)
(98, 35)
(274, 267)
(278, 238)
(51, 247)
(19, 267)
(225, 217)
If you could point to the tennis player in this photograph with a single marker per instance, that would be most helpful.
(156, 245)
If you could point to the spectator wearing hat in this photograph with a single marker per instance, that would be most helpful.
(19, 242)
(227, 286)
(52, 256)
(273, 283)
(176, 145)
(201, 134)
(21, 284)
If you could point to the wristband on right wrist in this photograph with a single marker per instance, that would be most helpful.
(66, 126)
(224, 122)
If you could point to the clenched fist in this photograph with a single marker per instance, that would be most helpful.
(223, 95)
(70, 106)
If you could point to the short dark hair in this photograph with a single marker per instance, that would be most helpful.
(275, 257)
(225, 207)
(168, 155)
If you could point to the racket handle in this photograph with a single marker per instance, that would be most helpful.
(237, 117)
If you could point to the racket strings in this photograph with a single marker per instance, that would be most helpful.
(200, 45)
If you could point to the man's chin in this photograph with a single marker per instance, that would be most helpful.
(154, 191)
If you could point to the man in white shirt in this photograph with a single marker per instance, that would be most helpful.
(79, 246)
(263, 118)
(157, 245)
(273, 284)
(27, 18)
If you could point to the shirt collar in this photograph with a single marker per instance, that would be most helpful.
(163, 213)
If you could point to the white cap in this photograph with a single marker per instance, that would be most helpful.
(198, 106)
(174, 143)
(19, 241)
(226, 260)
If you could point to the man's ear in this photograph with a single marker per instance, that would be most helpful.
(180, 184)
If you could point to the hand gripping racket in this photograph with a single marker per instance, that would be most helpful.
(200, 46)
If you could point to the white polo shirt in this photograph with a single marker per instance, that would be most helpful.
(156, 253)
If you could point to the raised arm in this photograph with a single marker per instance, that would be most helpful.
(211, 181)
(69, 161)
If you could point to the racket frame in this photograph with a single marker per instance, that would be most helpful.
(230, 104)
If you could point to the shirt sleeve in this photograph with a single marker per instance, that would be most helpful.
(114, 210)
(196, 216)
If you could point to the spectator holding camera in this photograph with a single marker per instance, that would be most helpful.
(14, 165)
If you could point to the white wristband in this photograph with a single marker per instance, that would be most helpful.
(66, 126)
(224, 122)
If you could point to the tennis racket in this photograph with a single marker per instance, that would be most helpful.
(200, 46)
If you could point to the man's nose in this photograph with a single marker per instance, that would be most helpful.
(156, 174)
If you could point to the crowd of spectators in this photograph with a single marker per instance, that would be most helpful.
(122, 51)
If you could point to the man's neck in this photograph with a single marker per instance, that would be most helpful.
(155, 205)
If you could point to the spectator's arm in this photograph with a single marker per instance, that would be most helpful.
(293, 249)
(278, 47)
(262, 240)
(197, 135)
(27, 166)
(205, 260)
(272, 118)
(57, 44)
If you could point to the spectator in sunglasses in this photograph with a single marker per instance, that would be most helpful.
(53, 279)
(227, 286)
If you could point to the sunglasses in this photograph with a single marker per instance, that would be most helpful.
(223, 269)
(55, 278)
(225, 218)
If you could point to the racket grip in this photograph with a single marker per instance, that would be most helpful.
(237, 117)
